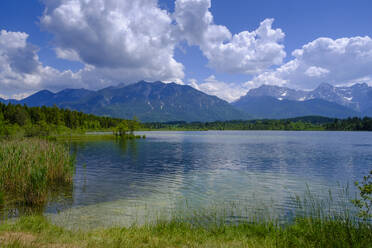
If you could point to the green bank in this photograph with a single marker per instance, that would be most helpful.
(37, 231)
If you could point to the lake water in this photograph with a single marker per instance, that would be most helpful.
(121, 183)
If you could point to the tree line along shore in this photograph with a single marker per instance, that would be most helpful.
(23, 121)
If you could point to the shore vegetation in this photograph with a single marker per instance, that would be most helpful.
(307, 123)
(31, 167)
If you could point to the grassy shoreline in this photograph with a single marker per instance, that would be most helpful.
(316, 224)
(37, 231)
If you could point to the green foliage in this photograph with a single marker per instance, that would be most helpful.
(237, 125)
(307, 123)
(350, 124)
(364, 203)
(18, 121)
(122, 128)
(126, 128)
(11, 131)
(133, 125)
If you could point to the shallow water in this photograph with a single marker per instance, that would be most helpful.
(121, 183)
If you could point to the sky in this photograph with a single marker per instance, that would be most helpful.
(223, 48)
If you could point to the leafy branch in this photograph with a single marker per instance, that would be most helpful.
(364, 203)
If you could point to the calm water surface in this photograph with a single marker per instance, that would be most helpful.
(118, 183)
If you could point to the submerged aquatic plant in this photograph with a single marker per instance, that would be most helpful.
(30, 168)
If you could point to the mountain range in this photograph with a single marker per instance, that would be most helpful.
(150, 102)
(270, 101)
(160, 102)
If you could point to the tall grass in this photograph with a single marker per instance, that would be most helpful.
(29, 168)
(304, 232)
(1, 198)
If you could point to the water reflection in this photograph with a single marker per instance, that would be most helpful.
(59, 198)
(120, 182)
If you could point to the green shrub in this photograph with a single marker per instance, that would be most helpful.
(364, 203)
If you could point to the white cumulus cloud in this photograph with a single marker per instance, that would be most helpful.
(21, 72)
(127, 41)
(124, 40)
(340, 61)
(223, 90)
(19, 63)
(245, 52)
(314, 71)
(116, 41)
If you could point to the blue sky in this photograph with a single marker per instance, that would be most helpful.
(185, 49)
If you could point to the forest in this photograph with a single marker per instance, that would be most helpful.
(20, 120)
(24, 121)
(308, 123)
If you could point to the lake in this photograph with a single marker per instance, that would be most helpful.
(121, 183)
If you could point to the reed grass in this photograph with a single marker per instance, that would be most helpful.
(1, 198)
(30, 168)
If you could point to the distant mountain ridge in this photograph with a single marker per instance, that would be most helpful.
(270, 101)
(271, 108)
(153, 102)
(358, 96)
(160, 102)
